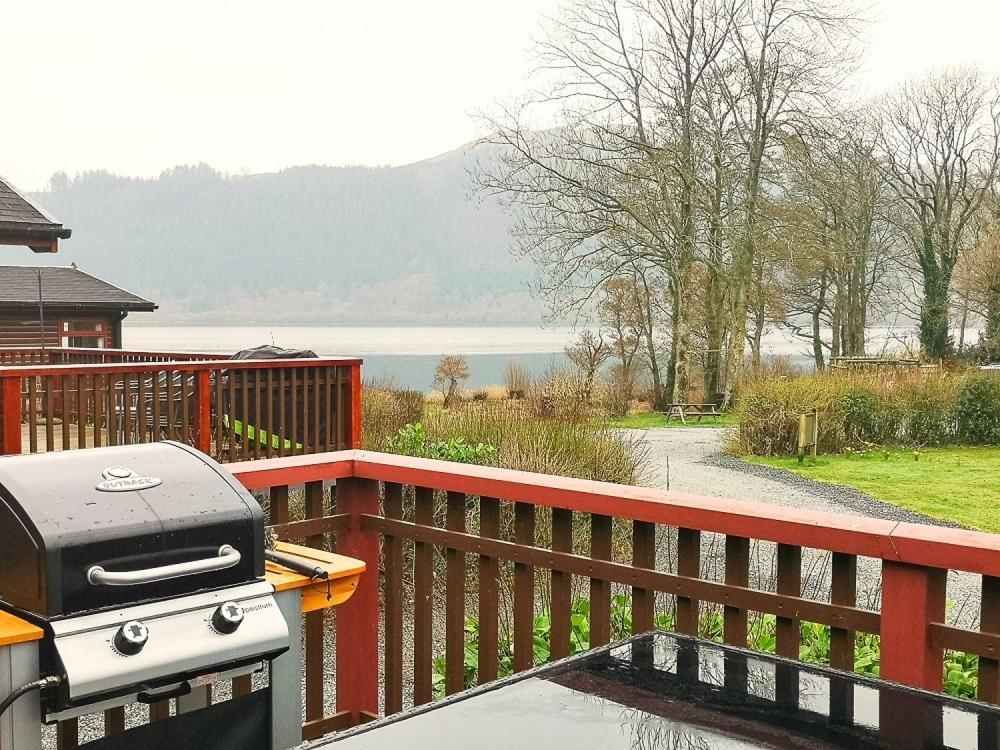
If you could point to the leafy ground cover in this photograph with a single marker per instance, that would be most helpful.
(644, 420)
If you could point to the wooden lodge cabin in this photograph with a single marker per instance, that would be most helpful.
(24, 222)
(72, 307)
(78, 310)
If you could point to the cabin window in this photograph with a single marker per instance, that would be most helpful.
(89, 334)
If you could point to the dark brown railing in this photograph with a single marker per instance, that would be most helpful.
(416, 522)
(232, 410)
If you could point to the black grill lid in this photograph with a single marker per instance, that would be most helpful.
(62, 513)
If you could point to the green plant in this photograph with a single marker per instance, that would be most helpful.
(978, 409)
(412, 440)
(961, 670)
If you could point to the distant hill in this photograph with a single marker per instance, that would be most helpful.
(313, 244)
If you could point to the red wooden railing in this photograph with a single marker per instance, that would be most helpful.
(233, 410)
(69, 355)
(410, 517)
(415, 522)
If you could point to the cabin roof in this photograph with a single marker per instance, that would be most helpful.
(24, 222)
(66, 287)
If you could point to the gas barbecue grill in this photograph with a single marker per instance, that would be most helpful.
(144, 566)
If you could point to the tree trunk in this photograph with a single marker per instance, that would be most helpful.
(934, 314)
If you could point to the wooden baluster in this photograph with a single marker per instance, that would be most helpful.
(843, 590)
(49, 384)
(100, 393)
(68, 734)
(279, 504)
(245, 420)
(233, 451)
(455, 599)
(67, 410)
(283, 432)
(392, 552)
(489, 592)
(600, 590)
(989, 622)
(524, 590)
(219, 426)
(562, 586)
(423, 595)
(114, 721)
(258, 425)
(331, 440)
(643, 556)
(126, 415)
(305, 410)
(317, 441)
(339, 411)
(11, 410)
(271, 432)
(157, 428)
(82, 410)
(293, 402)
(159, 710)
(688, 564)
(113, 415)
(314, 508)
(187, 394)
(789, 583)
(31, 414)
(140, 405)
(734, 619)
(171, 406)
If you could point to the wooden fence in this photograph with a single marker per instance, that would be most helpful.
(69, 355)
(232, 410)
(384, 509)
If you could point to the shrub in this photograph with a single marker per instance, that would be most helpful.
(859, 410)
(978, 410)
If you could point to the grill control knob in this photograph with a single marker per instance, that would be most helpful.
(228, 617)
(131, 637)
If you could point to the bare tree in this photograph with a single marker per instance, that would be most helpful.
(939, 139)
(452, 370)
(588, 352)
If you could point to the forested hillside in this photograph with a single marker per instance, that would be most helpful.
(309, 244)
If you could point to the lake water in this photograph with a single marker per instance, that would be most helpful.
(409, 354)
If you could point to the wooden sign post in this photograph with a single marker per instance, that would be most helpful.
(808, 434)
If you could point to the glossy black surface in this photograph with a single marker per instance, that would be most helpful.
(55, 525)
(665, 691)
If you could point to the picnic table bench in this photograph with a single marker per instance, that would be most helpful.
(686, 411)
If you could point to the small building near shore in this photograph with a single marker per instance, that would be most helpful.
(71, 306)
(24, 222)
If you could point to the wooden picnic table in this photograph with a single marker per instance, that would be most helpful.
(695, 411)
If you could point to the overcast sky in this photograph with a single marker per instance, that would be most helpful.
(255, 86)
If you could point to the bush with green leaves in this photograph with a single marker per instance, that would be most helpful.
(412, 440)
(978, 410)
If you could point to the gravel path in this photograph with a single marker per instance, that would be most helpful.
(692, 460)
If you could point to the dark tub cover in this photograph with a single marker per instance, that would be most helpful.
(665, 691)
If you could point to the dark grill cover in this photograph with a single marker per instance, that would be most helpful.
(55, 524)
(245, 411)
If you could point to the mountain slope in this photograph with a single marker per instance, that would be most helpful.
(313, 244)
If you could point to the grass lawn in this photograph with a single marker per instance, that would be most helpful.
(961, 485)
(643, 420)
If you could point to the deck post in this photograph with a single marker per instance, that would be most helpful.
(355, 441)
(913, 597)
(358, 617)
(10, 414)
(203, 439)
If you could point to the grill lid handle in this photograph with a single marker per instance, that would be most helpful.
(227, 557)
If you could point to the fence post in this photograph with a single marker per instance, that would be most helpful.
(10, 413)
(913, 597)
(355, 441)
(358, 617)
(203, 440)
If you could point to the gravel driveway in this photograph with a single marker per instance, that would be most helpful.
(692, 460)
